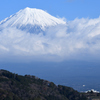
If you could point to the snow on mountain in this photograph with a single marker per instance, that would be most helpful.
(31, 19)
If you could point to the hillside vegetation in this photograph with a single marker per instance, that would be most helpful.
(17, 87)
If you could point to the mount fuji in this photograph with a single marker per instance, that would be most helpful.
(31, 20)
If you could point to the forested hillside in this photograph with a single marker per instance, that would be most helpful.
(17, 87)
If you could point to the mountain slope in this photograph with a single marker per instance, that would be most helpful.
(31, 19)
(17, 87)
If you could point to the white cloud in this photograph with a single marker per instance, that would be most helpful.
(4, 48)
(79, 39)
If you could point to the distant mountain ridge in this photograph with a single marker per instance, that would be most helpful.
(31, 20)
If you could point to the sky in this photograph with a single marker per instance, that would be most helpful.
(70, 9)
(78, 40)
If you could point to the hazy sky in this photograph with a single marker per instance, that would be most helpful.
(70, 9)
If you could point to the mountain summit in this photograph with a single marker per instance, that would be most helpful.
(31, 19)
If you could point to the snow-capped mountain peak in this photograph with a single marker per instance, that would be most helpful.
(30, 18)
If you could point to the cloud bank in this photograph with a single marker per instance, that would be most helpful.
(79, 39)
